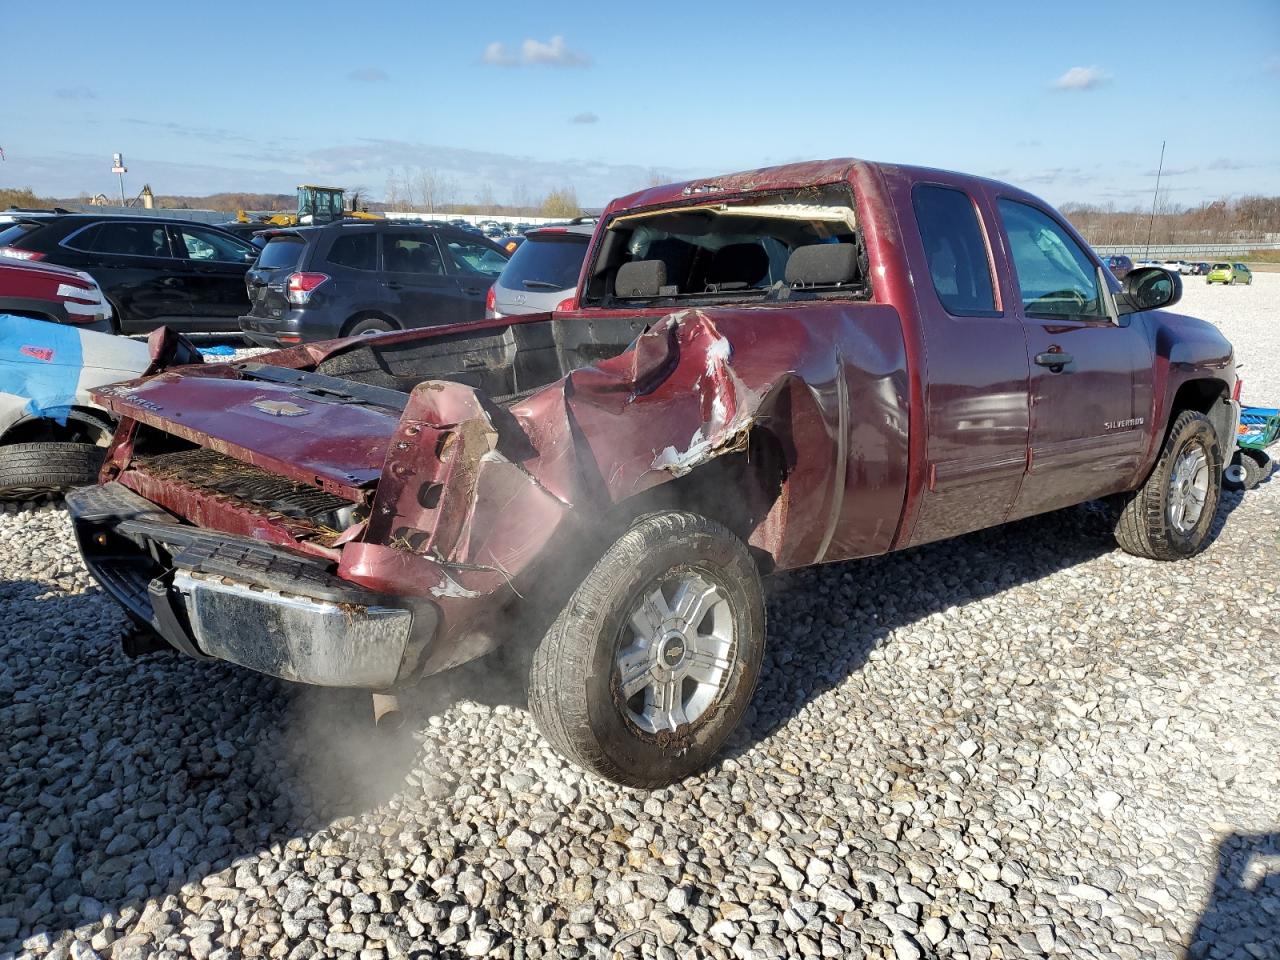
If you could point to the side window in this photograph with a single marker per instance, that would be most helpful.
(1056, 277)
(356, 250)
(412, 253)
(132, 239)
(207, 246)
(474, 259)
(955, 249)
(83, 239)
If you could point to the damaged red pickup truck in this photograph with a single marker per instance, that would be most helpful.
(789, 366)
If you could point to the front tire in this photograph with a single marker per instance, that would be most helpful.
(1170, 516)
(652, 662)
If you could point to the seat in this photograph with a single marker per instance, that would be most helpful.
(822, 265)
(737, 266)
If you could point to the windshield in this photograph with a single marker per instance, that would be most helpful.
(1222, 266)
(280, 252)
(546, 262)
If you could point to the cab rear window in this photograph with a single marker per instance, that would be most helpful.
(281, 252)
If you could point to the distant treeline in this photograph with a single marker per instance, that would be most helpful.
(1218, 221)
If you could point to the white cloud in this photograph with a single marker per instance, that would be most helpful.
(368, 75)
(535, 53)
(496, 54)
(1081, 78)
(585, 117)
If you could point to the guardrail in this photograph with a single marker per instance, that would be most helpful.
(1184, 251)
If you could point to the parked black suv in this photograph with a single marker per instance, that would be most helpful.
(155, 271)
(353, 277)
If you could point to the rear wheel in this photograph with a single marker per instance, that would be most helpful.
(365, 326)
(650, 665)
(1169, 517)
(30, 470)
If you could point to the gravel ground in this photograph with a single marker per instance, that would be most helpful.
(1021, 743)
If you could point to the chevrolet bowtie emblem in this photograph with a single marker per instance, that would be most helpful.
(279, 408)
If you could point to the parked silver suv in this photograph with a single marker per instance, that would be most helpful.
(543, 271)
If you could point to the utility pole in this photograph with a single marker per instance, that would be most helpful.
(1146, 255)
(117, 166)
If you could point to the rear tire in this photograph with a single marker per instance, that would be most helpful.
(643, 692)
(1169, 517)
(30, 470)
(366, 326)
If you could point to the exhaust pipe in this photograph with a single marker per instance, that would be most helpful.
(386, 711)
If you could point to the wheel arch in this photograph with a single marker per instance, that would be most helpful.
(33, 428)
(360, 315)
(1207, 395)
(756, 474)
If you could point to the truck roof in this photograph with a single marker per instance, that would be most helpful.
(787, 176)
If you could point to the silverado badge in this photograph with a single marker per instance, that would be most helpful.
(279, 408)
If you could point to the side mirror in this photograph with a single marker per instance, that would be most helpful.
(1149, 288)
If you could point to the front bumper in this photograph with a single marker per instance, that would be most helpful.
(215, 596)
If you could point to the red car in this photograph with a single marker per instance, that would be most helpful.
(766, 370)
(46, 291)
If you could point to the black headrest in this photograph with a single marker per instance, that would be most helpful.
(738, 263)
(640, 278)
(822, 264)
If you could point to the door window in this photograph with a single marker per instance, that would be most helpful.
(210, 247)
(413, 253)
(955, 250)
(131, 240)
(474, 259)
(356, 250)
(1055, 276)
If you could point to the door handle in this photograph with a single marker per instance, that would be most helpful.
(1055, 360)
(392, 285)
(473, 291)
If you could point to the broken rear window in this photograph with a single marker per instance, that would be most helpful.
(723, 250)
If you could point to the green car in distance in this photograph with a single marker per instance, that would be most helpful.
(1228, 273)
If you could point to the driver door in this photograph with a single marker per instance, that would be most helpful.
(1090, 376)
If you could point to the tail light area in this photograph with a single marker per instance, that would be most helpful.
(300, 286)
(491, 303)
(17, 253)
(84, 303)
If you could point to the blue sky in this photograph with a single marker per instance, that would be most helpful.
(1070, 101)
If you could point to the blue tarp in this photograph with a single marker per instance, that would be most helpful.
(42, 362)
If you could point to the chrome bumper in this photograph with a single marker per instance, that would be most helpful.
(230, 598)
(294, 637)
